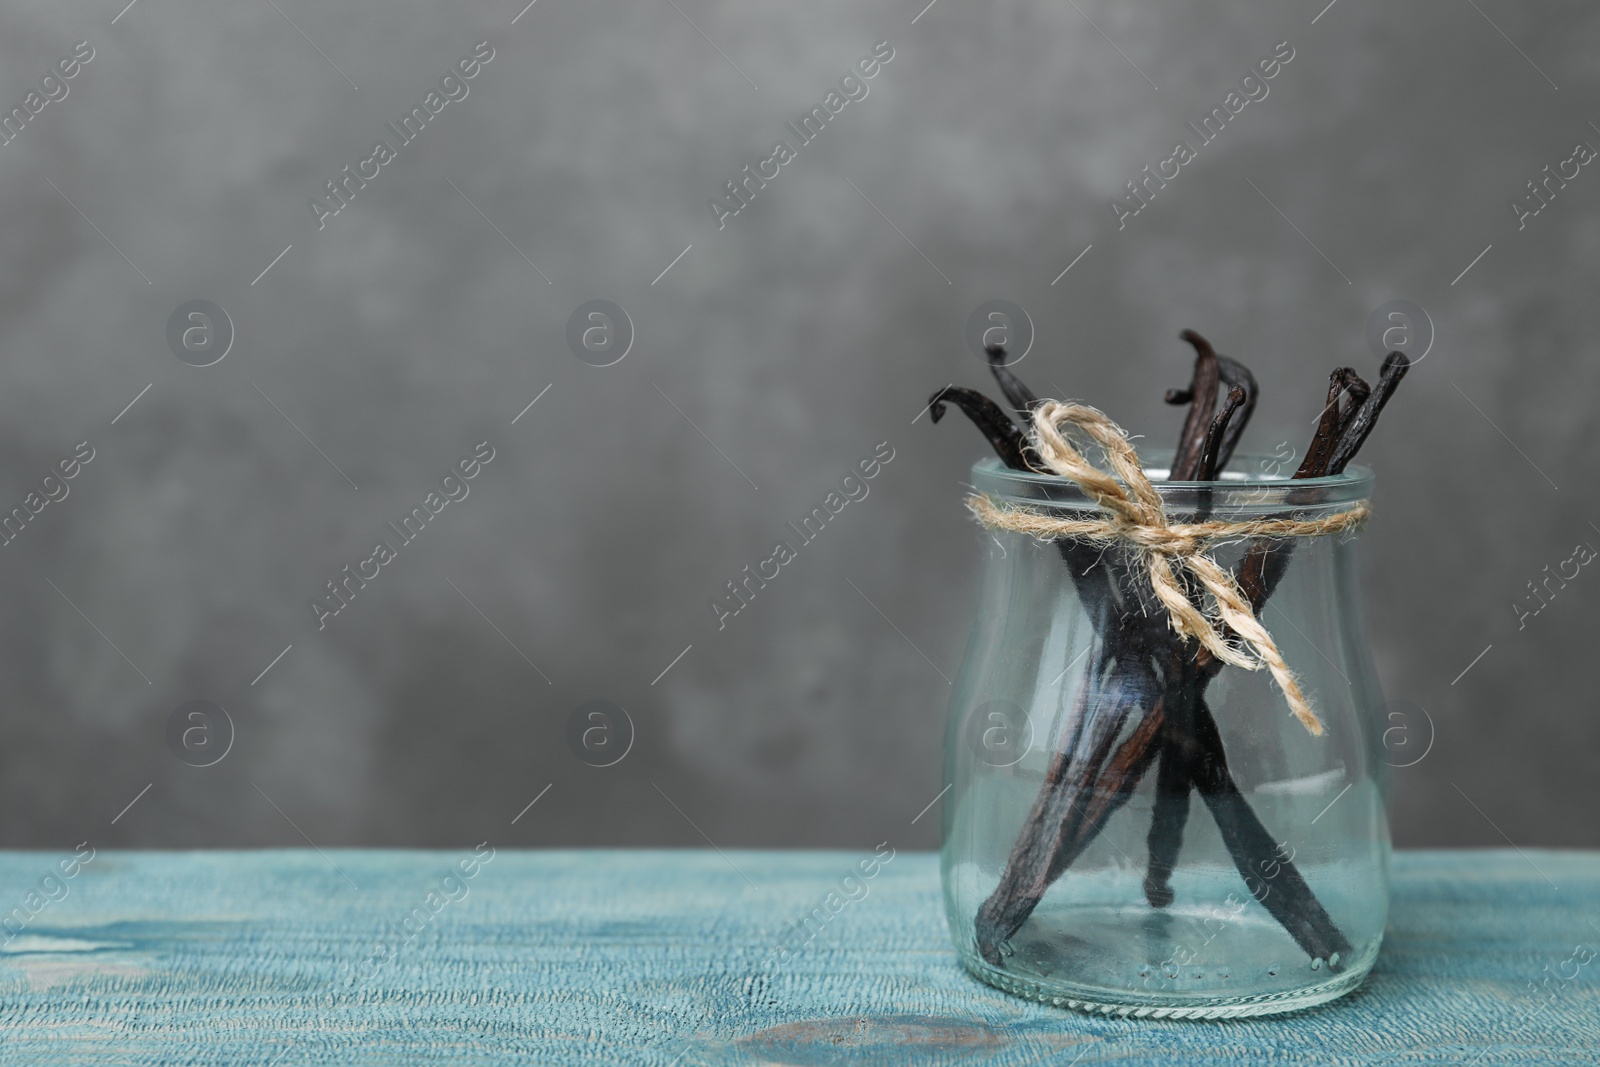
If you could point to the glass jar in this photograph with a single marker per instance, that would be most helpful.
(1129, 833)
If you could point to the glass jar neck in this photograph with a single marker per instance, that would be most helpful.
(1252, 489)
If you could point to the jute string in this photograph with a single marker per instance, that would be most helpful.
(1133, 515)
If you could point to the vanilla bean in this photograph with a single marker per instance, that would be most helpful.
(1036, 855)
(1332, 422)
(1356, 390)
(1215, 451)
(1170, 813)
(1259, 575)
(1093, 582)
(989, 418)
(1121, 678)
(1395, 365)
(1117, 783)
(1054, 832)
(1202, 398)
(1235, 375)
(1009, 443)
(1103, 704)
(1179, 754)
(1021, 397)
(1271, 878)
(1284, 893)
(1086, 563)
(1269, 562)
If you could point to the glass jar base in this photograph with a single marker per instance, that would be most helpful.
(1060, 990)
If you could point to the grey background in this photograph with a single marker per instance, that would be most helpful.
(795, 339)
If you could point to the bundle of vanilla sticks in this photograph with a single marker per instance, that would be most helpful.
(1144, 665)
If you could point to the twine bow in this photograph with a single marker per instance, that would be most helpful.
(1134, 515)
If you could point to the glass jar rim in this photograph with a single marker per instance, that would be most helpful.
(1244, 490)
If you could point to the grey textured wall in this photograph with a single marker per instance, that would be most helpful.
(774, 354)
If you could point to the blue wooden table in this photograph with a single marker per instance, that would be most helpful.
(516, 957)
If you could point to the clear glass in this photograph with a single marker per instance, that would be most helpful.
(1037, 703)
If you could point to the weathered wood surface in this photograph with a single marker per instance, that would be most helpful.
(664, 958)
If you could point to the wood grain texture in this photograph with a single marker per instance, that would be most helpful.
(665, 958)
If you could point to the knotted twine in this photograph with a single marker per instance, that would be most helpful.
(1134, 516)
